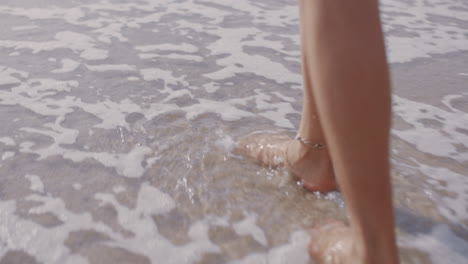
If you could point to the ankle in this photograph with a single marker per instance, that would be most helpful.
(305, 160)
(314, 144)
(297, 152)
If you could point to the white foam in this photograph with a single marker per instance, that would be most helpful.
(130, 165)
(74, 41)
(428, 36)
(284, 97)
(248, 226)
(153, 74)
(226, 109)
(36, 183)
(211, 87)
(111, 31)
(437, 141)
(133, 78)
(94, 54)
(453, 207)
(102, 23)
(146, 239)
(7, 78)
(226, 142)
(38, 241)
(25, 27)
(175, 94)
(7, 154)
(68, 65)
(175, 56)
(285, 15)
(184, 47)
(276, 112)
(112, 115)
(294, 252)
(7, 141)
(126, 164)
(230, 44)
(118, 189)
(111, 67)
(441, 244)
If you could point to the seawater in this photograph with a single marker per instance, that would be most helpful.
(120, 119)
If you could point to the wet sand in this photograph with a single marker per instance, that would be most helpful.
(417, 209)
(119, 122)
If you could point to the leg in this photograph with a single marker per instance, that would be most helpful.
(344, 52)
(312, 166)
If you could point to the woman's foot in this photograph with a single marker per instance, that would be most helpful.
(312, 166)
(333, 244)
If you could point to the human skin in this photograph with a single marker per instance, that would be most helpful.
(344, 61)
(347, 107)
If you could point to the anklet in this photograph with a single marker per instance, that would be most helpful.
(314, 145)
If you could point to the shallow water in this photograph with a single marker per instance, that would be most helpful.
(120, 119)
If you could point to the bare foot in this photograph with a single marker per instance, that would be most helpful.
(312, 166)
(333, 244)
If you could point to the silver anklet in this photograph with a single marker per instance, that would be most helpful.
(314, 145)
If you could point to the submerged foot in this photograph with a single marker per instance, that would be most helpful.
(332, 244)
(312, 166)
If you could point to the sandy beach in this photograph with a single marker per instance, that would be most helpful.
(119, 123)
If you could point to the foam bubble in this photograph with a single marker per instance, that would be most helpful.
(441, 140)
(8, 154)
(294, 252)
(36, 183)
(94, 54)
(111, 67)
(172, 56)
(441, 244)
(68, 65)
(7, 141)
(25, 27)
(453, 207)
(248, 227)
(184, 47)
